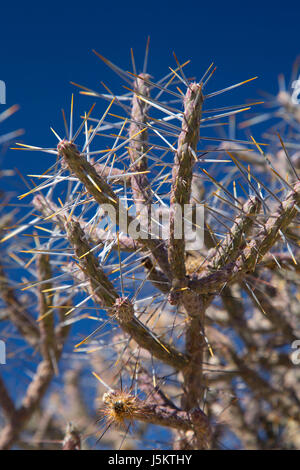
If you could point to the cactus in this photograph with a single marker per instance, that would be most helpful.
(193, 341)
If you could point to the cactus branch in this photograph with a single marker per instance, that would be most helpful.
(182, 175)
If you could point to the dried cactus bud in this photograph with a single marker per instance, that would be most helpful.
(175, 292)
(173, 297)
(119, 405)
(64, 146)
(123, 309)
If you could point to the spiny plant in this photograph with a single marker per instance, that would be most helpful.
(195, 340)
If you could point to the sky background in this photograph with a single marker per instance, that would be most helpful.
(45, 46)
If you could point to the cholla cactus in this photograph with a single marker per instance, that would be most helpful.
(194, 339)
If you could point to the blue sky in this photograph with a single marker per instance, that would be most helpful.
(45, 46)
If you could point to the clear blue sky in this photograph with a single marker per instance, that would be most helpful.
(46, 45)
